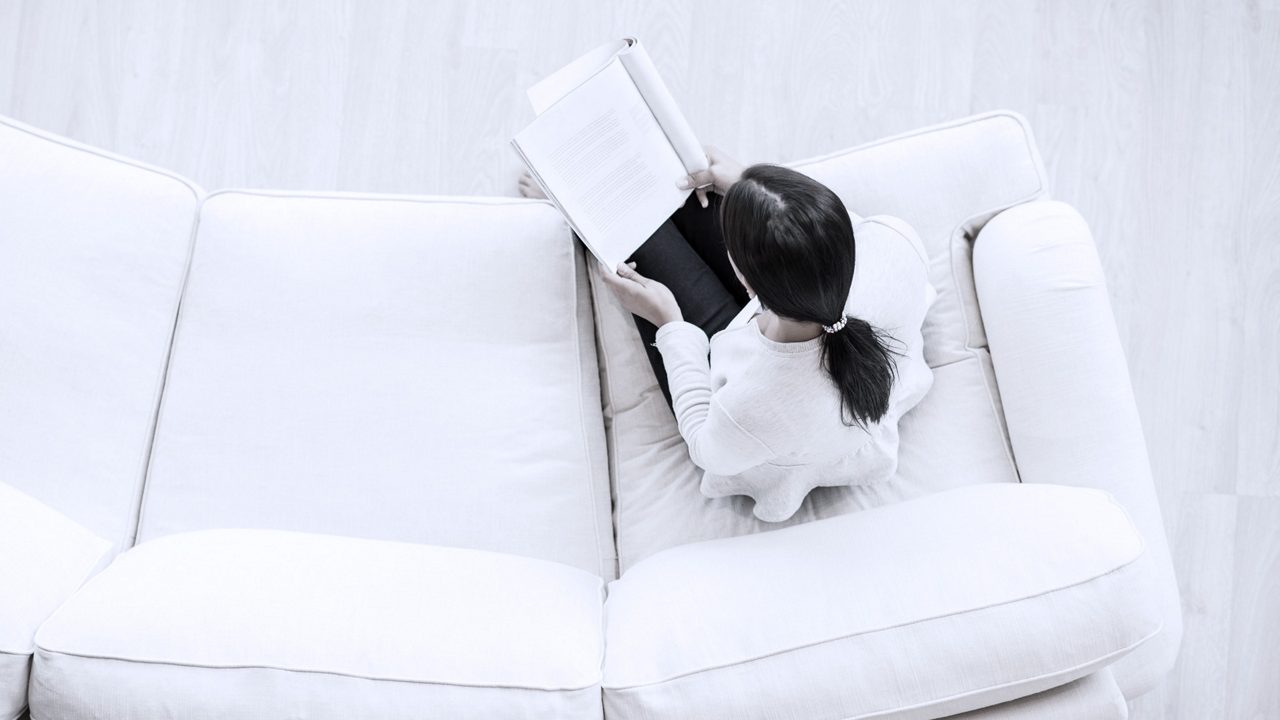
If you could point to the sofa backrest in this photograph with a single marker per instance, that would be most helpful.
(92, 253)
(395, 368)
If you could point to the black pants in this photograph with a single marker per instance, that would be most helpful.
(687, 254)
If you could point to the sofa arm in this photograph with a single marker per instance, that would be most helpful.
(1065, 388)
(44, 558)
(926, 608)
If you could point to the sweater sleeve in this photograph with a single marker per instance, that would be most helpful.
(717, 443)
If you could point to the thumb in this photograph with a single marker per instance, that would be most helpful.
(628, 271)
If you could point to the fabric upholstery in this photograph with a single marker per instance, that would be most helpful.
(227, 624)
(1066, 391)
(44, 557)
(669, 511)
(988, 592)
(93, 248)
(944, 181)
(1093, 697)
(393, 368)
(334, 372)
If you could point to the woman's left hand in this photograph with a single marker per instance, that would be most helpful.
(643, 296)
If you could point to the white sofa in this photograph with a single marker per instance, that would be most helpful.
(272, 454)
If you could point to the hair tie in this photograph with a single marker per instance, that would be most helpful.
(837, 326)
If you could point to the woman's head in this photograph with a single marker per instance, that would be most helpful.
(791, 240)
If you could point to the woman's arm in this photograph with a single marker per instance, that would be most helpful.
(717, 443)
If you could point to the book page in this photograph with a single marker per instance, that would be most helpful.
(557, 85)
(603, 158)
(645, 75)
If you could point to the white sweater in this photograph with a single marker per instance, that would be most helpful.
(762, 418)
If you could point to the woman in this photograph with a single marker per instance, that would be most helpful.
(789, 391)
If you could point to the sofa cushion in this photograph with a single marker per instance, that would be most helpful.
(1095, 696)
(44, 557)
(394, 368)
(944, 181)
(93, 248)
(890, 289)
(987, 593)
(233, 624)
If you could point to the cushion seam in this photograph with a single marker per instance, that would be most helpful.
(952, 262)
(309, 671)
(140, 490)
(145, 484)
(611, 432)
(919, 132)
(1099, 661)
(997, 413)
(592, 496)
(196, 191)
(484, 201)
(784, 651)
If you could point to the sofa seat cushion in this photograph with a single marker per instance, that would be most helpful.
(1095, 696)
(392, 368)
(944, 181)
(891, 291)
(44, 557)
(925, 608)
(259, 623)
(954, 436)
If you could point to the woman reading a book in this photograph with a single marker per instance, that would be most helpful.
(787, 391)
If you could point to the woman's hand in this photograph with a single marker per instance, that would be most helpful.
(723, 172)
(642, 296)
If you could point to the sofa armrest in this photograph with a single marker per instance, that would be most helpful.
(44, 558)
(926, 608)
(1065, 388)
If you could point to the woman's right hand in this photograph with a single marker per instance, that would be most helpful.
(722, 172)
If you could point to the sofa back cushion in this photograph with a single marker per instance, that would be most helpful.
(393, 368)
(93, 248)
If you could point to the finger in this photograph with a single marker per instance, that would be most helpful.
(628, 272)
(702, 177)
(702, 196)
(617, 282)
(610, 275)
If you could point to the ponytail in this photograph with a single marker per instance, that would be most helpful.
(861, 362)
(792, 240)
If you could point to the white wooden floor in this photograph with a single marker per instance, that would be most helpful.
(1160, 121)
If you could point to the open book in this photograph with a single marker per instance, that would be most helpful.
(608, 146)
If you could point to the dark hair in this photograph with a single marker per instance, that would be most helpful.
(791, 238)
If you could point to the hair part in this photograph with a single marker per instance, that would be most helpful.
(792, 239)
